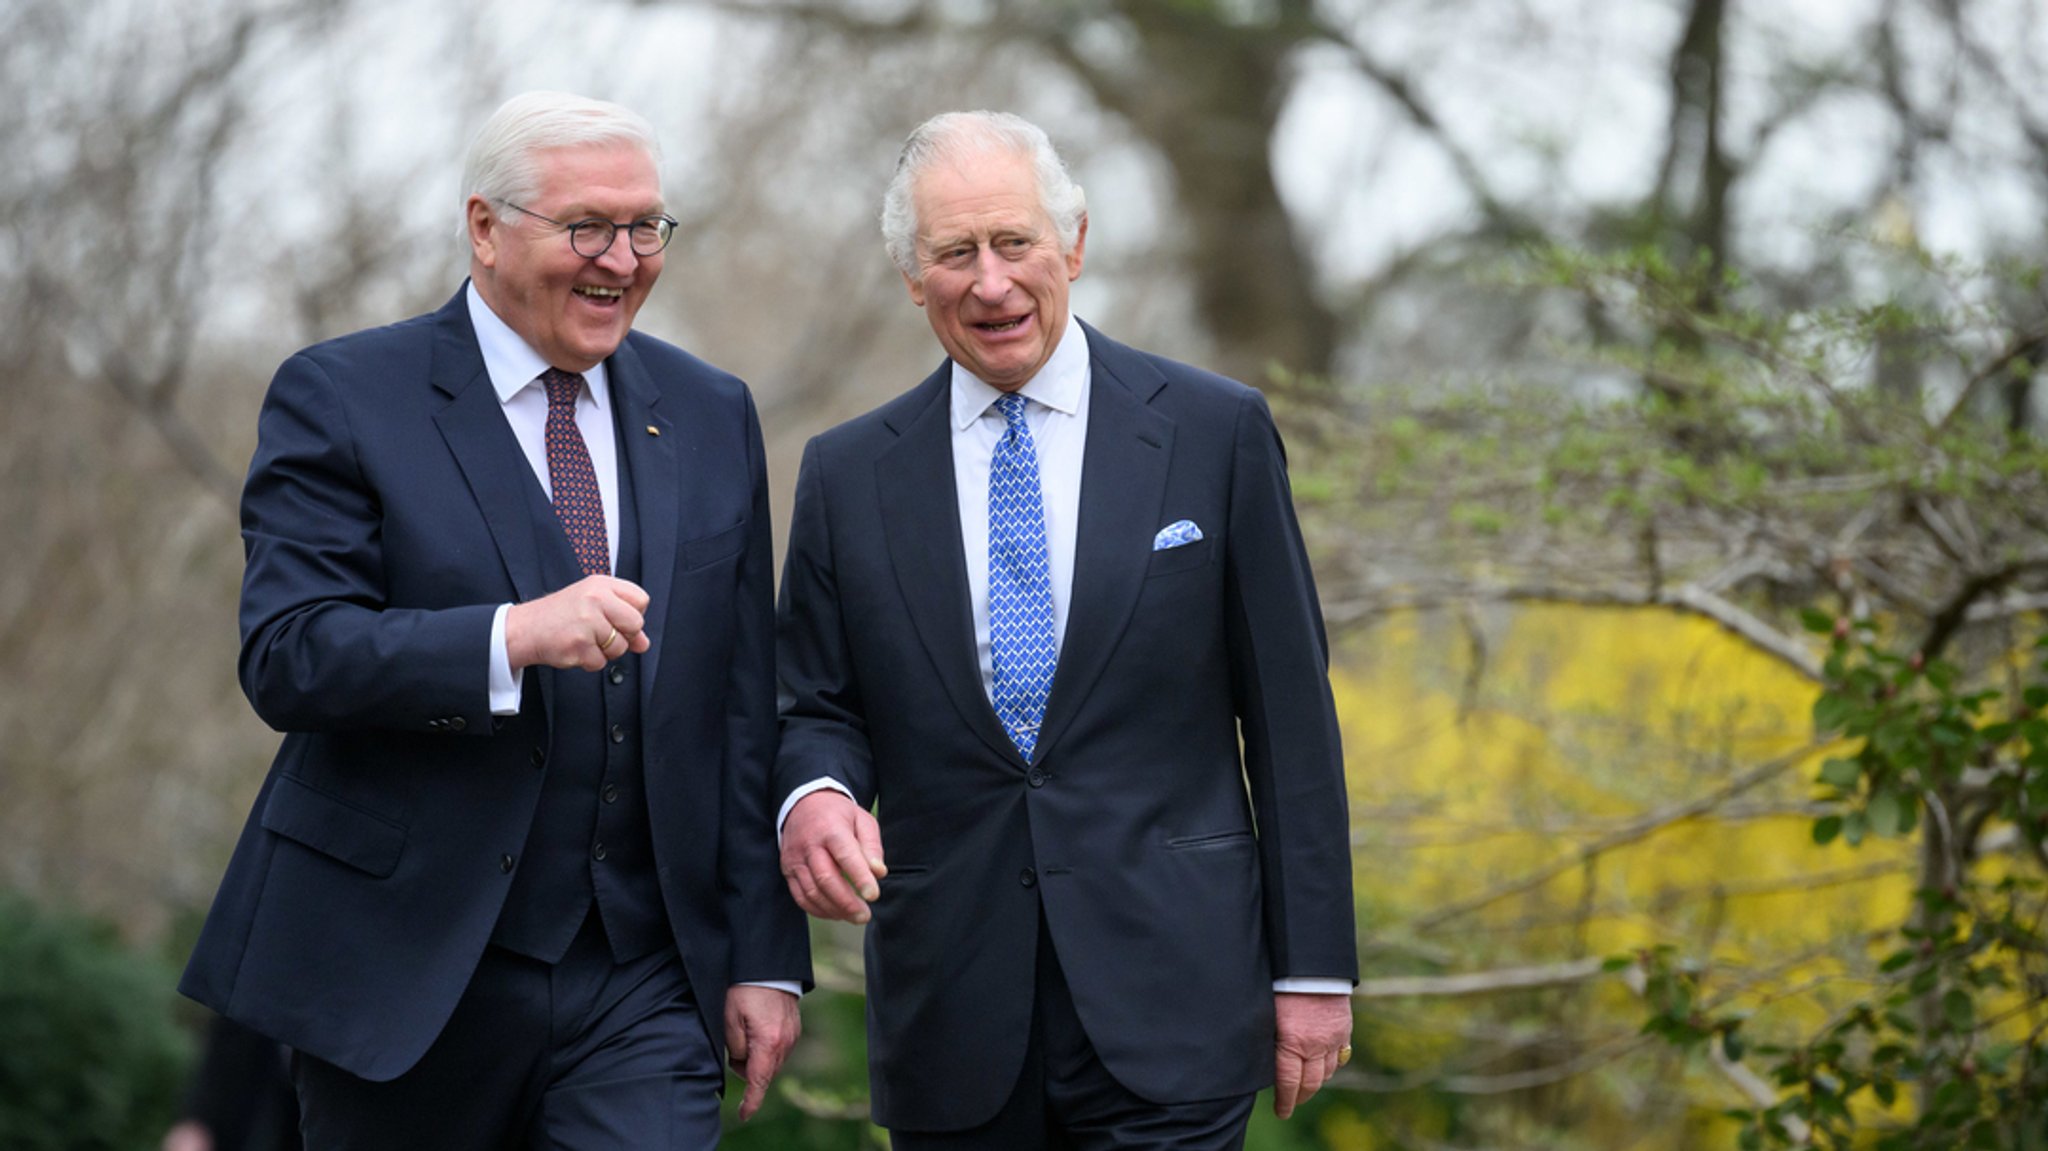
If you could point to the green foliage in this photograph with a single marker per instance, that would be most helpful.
(1945, 1050)
(92, 1058)
(1839, 466)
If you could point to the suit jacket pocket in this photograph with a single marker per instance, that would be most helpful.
(333, 827)
(707, 550)
(1210, 841)
(1182, 558)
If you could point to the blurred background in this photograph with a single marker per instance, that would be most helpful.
(1659, 379)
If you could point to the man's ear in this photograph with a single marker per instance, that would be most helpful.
(483, 231)
(1080, 247)
(916, 288)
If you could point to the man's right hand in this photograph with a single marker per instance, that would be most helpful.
(832, 856)
(588, 624)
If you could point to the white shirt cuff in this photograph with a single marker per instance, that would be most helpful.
(1313, 986)
(504, 684)
(785, 985)
(782, 817)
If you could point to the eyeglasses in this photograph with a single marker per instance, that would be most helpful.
(593, 238)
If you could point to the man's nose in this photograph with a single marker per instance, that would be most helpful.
(620, 257)
(991, 277)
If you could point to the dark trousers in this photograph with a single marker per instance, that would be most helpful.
(581, 1055)
(1065, 1100)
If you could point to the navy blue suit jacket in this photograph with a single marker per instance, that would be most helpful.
(386, 515)
(1179, 870)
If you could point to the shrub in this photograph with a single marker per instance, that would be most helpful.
(92, 1057)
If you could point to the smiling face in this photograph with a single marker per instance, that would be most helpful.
(991, 277)
(573, 311)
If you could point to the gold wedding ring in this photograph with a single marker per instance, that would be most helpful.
(609, 640)
(1343, 1055)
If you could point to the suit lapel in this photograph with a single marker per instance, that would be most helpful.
(657, 491)
(473, 425)
(921, 525)
(1123, 487)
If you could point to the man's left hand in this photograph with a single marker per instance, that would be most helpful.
(761, 1025)
(1313, 1028)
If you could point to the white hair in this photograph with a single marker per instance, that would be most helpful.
(957, 137)
(504, 165)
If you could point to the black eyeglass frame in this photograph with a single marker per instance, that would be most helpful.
(665, 228)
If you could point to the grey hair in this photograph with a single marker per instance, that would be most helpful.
(504, 161)
(959, 136)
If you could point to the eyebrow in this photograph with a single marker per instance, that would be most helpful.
(580, 212)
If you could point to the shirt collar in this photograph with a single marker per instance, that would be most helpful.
(511, 361)
(1057, 385)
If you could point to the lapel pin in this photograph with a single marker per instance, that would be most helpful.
(652, 430)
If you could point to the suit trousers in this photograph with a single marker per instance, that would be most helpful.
(581, 1055)
(1065, 1100)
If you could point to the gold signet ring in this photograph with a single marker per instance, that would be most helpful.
(1343, 1055)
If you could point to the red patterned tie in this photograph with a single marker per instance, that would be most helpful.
(574, 481)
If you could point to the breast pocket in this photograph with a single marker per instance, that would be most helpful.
(704, 551)
(1186, 557)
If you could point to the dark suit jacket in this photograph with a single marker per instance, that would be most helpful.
(1177, 878)
(385, 517)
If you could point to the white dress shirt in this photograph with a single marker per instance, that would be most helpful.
(1058, 418)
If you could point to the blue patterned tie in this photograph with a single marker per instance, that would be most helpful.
(1019, 582)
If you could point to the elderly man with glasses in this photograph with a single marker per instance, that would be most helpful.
(511, 881)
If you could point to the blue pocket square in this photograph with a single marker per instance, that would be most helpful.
(1175, 534)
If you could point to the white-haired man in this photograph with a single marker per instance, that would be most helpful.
(1051, 612)
(511, 881)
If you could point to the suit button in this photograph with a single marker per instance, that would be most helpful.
(505, 863)
(539, 758)
(457, 723)
(598, 853)
(618, 734)
(617, 674)
(1028, 878)
(1037, 777)
(611, 793)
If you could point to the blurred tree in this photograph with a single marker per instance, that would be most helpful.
(1325, 186)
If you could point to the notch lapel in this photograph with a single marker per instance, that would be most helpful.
(1123, 487)
(657, 494)
(921, 527)
(474, 428)
(473, 425)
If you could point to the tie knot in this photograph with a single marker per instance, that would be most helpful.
(561, 387)
(1011, 404)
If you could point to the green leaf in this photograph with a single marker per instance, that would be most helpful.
(1826, 828)
(1841, 774)
(1886, 1091)
(1959, 1009)
(1832, 712)
(1817, 621)
(1887, 814)
(1854, 826)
